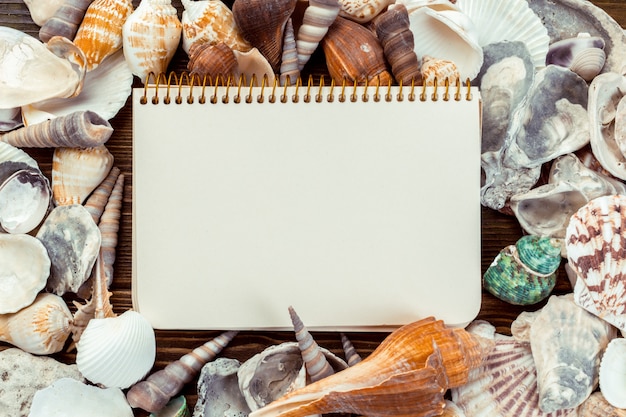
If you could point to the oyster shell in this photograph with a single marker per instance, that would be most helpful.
(10, 119)
(218, 390)
(613, 373)
(24, 270)
(13, 154)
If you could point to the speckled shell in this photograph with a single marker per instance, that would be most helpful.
(150, 37)
(65, 20)
(116, 351)
(354, 54)
(362, 11)
(441, 70)
(583, 54)
(612, 377)
(318, 16)
(100, 33)
(262, 23)
(408, 372)
(212, 61)
(210, 21)
(594, 244)
(567, 343)
(524, 273)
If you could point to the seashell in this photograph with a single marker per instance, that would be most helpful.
(620, 125)
(10, 119)
(362, 11)
(524, 273)
(31, 71)
(605, 92)
(408, 373)
(158, 388)
(177, 407)
(96, 202)
(67, 396)
(508, 20)
(447, 35)
(362, 64)
(262, 23)
(318, 16)
(218, 390)
(116, 351)
(72, 240)
(352, 356)
(396, 38)
(105, 91)
(289, 68)
(76, 172)
(65, 20)
(24, 269)
(40, 328)
(252, 64)
(210, 21)
(567, 343)
(612, 377)
(433, 4)
(25, 197)
(439, 71)
(584, 55)
(212, 60)
(79, 129)
(11, 153)
(593, 244)
(42, 10)
(100, 33)
(109, 226)
(452, 410)
(597, 406)
(150, 37)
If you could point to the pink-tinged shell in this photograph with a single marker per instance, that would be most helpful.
(594, 242)
(212, 60)
(318, 16)
(150, 37)
(262, 23)
(210, 21)
(362, 11)
(440, 70)
(100, 33)
(65, 20)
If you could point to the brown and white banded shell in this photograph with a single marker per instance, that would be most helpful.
(65, 20)
(289, 68)
(594, 243)
(318, 16)
(212, 60)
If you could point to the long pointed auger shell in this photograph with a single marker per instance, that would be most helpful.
(352, 356)
(109, 226)
(97, 201)
(65, 21)
(289, 69)
(156, 390)
(82, 129)
(318, 17)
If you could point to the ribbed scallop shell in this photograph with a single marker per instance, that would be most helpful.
(24, 270)
(594, 243)
(583, 54)
(508, 20)
(613, 373)
(100, 33)
(362, 11)
(318, 16)
(150, 37)
(116, 351)
(76, 172)
(210, 21)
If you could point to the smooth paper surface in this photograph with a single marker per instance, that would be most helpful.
(360, 215)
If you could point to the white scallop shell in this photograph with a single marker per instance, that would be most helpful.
(116, 351)
(508, 20)
(24, 270)
(613, 373)
(105, 91)
(69, 397)
(449, 35)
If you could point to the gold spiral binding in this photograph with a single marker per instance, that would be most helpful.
(187, 87)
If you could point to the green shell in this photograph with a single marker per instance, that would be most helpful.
(541, 254)
(177, 407)
(510, 281)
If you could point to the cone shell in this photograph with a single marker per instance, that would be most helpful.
(613, 373)
(363, 63)
(100, 33)
(41, 328)
(212, 60)
(76, 172)
(362, 11)
(116, 351)
(150, 37)
(65, 20)
(210, 21)
(594, 244)
(262, 23)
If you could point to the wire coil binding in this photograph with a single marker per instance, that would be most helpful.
(205, 89)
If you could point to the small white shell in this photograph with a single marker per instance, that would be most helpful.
(42, 10)
(69, 397)
(116, 351)
(613, 373)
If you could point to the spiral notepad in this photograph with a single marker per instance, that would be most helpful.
(357, 205)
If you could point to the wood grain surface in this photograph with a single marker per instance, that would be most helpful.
(498, 230)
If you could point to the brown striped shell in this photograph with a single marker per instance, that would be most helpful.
(211, 60)
(65, 20)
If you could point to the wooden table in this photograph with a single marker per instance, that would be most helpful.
(498, 230)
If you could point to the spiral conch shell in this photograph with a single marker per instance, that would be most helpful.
(408, 373)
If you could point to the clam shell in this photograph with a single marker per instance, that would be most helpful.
(218, 390)
(150, 37)
(508, 20)
(583, 54)
(72, 240)
(67, 397)
(116, 351)
(40, 328)
(25, 197)
(362, 11)
(613, 373)
(42, 10)
(209, 21)
(594, 239)
(76, 172)
(24, 270)
(31, 71)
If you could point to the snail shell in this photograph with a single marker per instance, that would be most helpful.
(212, 60)
(318, 16)
(65, 20)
